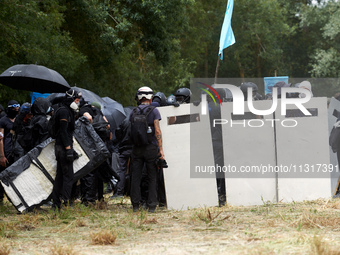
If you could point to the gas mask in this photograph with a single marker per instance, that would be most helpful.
(74, 106)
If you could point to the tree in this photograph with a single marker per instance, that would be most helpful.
(30, 33)
(325, 19)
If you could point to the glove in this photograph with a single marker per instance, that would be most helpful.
(176, 104)
(196, 103)
(75, 155)
(69, 155)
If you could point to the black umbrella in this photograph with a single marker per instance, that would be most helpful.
(113, 111)
(89, 96)
(34, 78)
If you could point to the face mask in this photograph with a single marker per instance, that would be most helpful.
(11, 113)
(74, 106)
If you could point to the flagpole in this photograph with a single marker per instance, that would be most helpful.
(227, 37)
(217, 67)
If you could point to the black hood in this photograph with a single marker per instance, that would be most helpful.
(40, 106)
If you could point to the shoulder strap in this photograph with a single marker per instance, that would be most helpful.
(149, 109)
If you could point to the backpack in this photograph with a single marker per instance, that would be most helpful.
(52, 127)
(99, 125)
(139, 126)
(334, 138)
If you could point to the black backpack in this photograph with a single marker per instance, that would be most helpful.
(139, 126)
(52, 127)
(99, 124)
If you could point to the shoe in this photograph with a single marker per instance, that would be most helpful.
(135, 208)
(152, 209)
(114, 196)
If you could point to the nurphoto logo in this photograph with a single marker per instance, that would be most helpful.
(238, 100)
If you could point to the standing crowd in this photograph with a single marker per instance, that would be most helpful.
(138, 144)
(22, 127)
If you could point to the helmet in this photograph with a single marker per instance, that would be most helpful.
(144, 92)
(229, 95)
(257, 97)
(220, 91)
(25, 108)
(171, 100)
(279, 85)
(183, 95)
(160, 98)
(73, 93)
(245, 85)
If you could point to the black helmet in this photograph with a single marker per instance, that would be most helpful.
(183, 95)
(229, 95)
(160, 98)
(221, 92)
(171, 100)
(73, 93)
(257, 96)
(244, 87)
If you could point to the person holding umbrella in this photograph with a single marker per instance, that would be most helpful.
(65, 155)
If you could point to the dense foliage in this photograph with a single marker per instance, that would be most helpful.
(114, 47)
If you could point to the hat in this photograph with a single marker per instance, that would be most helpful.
(97, 105)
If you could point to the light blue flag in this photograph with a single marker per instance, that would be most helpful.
(227, 37)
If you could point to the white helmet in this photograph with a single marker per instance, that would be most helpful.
(145, 92)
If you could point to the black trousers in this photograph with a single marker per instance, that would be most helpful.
(63, 182)
(124, 157)
(140, 155)
(10, 162)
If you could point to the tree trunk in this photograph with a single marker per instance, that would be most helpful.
(206, 63)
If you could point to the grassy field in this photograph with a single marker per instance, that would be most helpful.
(297, 228)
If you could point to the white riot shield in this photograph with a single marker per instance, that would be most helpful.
(35, 184)
(302, 148)
(28, 182)
(249, 155)
(185, 189)
(333, 111)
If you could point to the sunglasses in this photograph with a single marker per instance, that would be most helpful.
(14, 105)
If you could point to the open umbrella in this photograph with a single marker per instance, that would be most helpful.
(113, 111)
(34, 78)
(89, 96)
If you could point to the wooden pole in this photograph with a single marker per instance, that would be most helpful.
(217, 66)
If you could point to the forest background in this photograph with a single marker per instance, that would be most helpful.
(114, 47)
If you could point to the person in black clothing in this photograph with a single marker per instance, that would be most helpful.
(92, 184)
(2, 111)
(40, 109)
(22, 121)
(125, 150)
(6, 144)
(65, 155)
